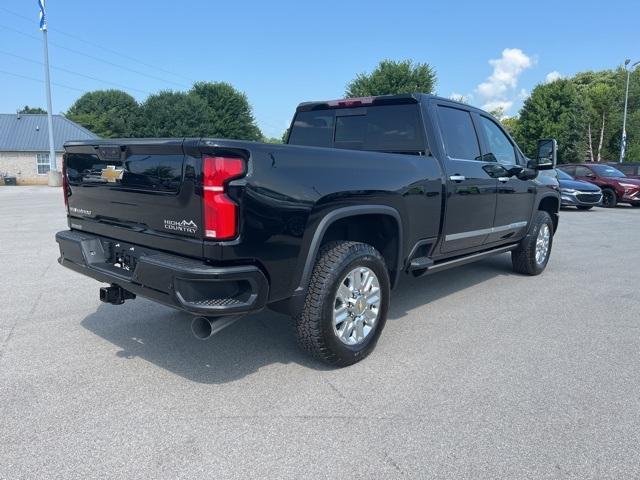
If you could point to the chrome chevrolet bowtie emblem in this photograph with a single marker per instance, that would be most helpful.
(112, 174)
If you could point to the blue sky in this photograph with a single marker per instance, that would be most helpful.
(281, 53)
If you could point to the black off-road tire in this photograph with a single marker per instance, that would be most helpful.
(585, 207)
(523, 258)
(609, 198)
(314, 325)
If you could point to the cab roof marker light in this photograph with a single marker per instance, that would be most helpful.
(351, 102)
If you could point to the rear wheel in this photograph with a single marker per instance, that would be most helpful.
(609, 198)
(532, 255)
(346, 305)
(585, 207)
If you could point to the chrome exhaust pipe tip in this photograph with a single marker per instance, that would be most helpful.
(201, 328)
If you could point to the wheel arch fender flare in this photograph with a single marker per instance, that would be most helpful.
(544, 200)
(338, 214)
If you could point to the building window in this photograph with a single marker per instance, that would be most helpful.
(42, 161)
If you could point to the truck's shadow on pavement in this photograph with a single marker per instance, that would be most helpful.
(163, 336)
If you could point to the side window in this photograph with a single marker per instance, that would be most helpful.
(627, 169)
(499, 146)
(460, 139)
(583, 172)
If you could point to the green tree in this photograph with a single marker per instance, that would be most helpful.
(585, 112)
(633, 118)
(107, 113)
(28, 109)
(554, 110)
(601, 94)
(600, 100)
(229, 114)
(173, 114)
(633, 137)
(393, 77)
(511, 125)
(498, 113)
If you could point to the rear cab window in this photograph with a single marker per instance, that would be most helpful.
(381, 128)
(313, 129)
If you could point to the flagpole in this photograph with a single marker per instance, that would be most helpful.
(623, 142)
(52, 153)
(55, 178)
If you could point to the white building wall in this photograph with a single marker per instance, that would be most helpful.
(23, 166)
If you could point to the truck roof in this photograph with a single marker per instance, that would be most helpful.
(376, 100)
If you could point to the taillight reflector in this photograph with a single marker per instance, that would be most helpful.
(220, 213)
(65, 186)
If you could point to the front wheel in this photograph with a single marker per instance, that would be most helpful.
(532, 255)
(346, 305)
(609, 198)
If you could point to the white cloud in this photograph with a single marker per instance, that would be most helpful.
(524, 94)
(552, 76)
(499, 88)
(493, 105)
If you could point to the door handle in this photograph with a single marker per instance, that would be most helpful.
(457, 178)
(503, 179)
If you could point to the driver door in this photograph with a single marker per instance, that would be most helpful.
(515, 196)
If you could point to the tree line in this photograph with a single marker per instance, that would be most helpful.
(207, 109)
(583, 112)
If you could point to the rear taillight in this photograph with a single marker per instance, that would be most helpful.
(220, 213)
(65, 186)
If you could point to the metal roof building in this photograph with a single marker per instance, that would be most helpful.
(28, 132)
(24, 144)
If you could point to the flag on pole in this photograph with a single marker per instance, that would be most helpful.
(43, 15)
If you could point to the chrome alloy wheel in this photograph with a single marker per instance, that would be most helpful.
(356, 306)
(542, 243)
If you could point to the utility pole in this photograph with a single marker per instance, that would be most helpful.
(623, 143)
(55, 179)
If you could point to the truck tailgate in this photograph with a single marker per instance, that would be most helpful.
(140, 191)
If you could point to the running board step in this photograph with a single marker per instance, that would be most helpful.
(420, 263)
(456, 262)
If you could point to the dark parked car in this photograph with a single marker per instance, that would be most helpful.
(322, 228)
(616, 186)
(574, 193)
(630, 169)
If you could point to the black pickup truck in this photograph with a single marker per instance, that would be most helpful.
(320, 228)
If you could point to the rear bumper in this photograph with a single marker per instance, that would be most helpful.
(176, 281)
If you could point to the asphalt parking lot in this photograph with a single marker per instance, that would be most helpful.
(480, 373)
